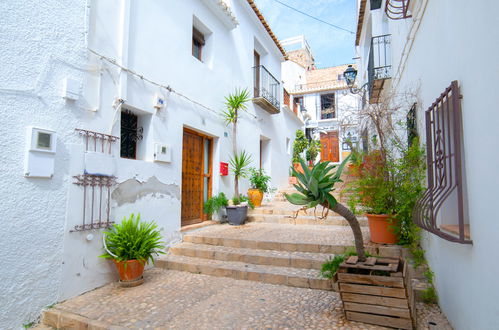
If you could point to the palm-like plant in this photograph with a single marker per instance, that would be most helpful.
(239, 166)
(314, 188)
(235, 103)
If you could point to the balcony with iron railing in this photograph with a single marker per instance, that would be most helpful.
(379, 67)
(266, 90)
(397, 9)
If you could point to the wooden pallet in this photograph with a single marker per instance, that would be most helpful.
(372, 298)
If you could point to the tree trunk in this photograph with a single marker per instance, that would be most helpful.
(354, 224)
(236, 187)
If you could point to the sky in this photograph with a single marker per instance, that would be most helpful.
(329, 46)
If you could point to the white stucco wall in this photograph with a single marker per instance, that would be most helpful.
(44, 262)
(453, 42)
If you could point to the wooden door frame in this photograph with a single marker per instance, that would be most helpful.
(329, 137)
(203, 216)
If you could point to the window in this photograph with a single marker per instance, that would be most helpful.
(441, 209)
(131, 133)
(411, 125)
(375, 4)
(297, 104)
(328, 108)
(198, 43)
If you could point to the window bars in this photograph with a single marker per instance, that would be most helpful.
(96, 188)
(397, 9)
(443, 200)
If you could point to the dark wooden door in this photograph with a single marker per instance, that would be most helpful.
(330, 147)
(196, 176)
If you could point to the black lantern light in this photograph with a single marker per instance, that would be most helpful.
(350, 74)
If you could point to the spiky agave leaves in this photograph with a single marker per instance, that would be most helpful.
(315, 185)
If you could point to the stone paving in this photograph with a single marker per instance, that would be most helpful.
(178, 300)
(286, 233)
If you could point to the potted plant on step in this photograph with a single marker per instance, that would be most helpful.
(131, 244)
(313, 149)
(373, 290)
(259, 186)
(300, 144)
(215, 205)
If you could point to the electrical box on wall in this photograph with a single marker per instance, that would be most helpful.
(40, 152)
(162, 153)
(71, 89)
(159, 101)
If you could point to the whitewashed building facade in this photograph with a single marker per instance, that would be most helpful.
(100, 101)
(440, 51)
(322, 99)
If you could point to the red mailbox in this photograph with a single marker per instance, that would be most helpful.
(224, 169)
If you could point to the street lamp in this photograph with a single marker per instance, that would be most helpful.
(350, 75)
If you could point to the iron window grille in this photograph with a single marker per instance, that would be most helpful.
(328, 106)
(131, 133)
(397, 9)
(96, 188)
(411, 125)
(443, 198)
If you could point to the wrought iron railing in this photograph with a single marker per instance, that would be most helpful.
(266, 85)
(397, 9)
(379, 65)
(443, 201)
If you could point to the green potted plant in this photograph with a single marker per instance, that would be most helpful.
(131, 244)
(313, 149)
(300, 144)
(259, 186)
(215, 205)
(239, 166)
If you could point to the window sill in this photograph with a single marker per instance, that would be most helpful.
(454, 229)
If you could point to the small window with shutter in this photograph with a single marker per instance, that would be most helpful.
(198, 43)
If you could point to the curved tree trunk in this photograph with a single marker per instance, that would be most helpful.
(354, 224)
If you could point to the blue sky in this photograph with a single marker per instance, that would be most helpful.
(330, 46)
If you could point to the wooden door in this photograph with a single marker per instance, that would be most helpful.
(256, 63)
(330, 147)
(196, 176)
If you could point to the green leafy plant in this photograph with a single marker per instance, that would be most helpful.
(239, 166)
(242, 199)
(259, 180)
(313, 149)
(234, 104)
(133, 239)
(314, 188)
(330, 267)
(215, 203)
(299, 145)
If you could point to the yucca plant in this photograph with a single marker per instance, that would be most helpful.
(235, 103)
(315, 187)
(133, 239)
(239, 166)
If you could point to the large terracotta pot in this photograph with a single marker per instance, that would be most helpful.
(130, 270)
(255, 196)
(380, 227)
(293, 180)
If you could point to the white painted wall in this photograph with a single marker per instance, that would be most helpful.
(43, 261)
(454, 42)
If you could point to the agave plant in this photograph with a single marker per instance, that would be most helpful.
(315, 187)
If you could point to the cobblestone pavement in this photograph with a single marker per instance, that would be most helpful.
(179, 300)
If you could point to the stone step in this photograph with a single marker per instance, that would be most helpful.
(297, 277)
(306, 260)
(266, 244)
(302, 220)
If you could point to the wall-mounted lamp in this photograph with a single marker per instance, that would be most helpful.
(350, 75)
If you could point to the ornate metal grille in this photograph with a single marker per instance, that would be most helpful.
(266, 86)
(411, 125)
(130, 134)
(95, 141)
(97, 195)
(397, 9)
(444, 195)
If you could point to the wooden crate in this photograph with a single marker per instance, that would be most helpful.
(381, 300)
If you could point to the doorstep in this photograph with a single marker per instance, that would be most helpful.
(197, 225)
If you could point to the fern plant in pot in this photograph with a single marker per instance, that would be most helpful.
(131, 244)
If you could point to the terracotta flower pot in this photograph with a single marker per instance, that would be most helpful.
(293, 180)
(381, 229)
(255, 196)
(298, 168)
(130, 270)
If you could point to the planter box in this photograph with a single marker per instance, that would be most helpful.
(381, 300)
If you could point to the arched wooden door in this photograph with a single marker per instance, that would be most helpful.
(330, 147)
(196, 176)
